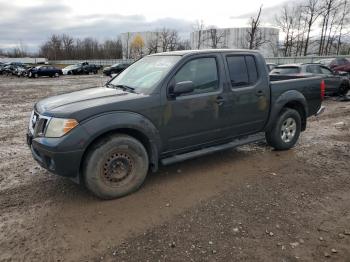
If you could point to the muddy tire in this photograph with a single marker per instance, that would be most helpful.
(286, 130)
(115, 166)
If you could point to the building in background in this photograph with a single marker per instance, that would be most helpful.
(266, 39)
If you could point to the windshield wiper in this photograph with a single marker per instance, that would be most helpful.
(123, 87)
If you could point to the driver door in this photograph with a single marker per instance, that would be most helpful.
(195, 118)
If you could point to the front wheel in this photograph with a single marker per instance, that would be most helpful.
(115, 166)
(286, 130)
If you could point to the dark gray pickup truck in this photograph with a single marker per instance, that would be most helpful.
(166, 108)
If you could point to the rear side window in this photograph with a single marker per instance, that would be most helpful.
(243, 70)
(326, 71)
(286, 70)
(314, 69)
(252, 70)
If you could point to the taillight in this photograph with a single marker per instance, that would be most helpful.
(323, 89)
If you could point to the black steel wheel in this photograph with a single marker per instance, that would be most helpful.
(115, 166)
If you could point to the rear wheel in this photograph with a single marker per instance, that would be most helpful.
(286, 130)
(115, 166)
(343, 89)
(57, 74)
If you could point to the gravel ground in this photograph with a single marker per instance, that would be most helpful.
(246, 204)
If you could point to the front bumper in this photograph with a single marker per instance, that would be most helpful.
(66, 163)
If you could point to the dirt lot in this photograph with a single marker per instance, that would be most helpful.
(246, 204)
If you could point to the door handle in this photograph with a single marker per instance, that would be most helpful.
(220, 100)
(259, 93)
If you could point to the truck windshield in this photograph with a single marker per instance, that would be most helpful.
(144, 75)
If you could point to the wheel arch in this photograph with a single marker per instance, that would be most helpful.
(146, 134)
(290, 99)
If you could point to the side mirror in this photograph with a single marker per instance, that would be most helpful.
(184, 87)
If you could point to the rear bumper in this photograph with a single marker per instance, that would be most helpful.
(65, 164)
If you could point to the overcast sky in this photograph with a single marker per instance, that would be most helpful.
(31, 22)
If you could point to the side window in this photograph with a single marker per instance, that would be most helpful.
(317, 69)
(326, 71)
(202, 72)
(238, 71)
(314, 69)
(243, 70)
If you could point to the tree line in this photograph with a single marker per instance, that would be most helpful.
(161, 40)
(60, 47)
(309, 27)
(328, 19)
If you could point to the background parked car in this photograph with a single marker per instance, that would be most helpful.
(271, 66)
(336, 64)
(81, 68)
(336, 82)
(21, 70)
(44, 71)
(10, 68)
(115, 69)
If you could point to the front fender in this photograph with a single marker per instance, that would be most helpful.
(277, 104)
(108, 122)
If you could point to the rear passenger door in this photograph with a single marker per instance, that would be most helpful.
(249, 97)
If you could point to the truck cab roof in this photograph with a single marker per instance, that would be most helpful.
(205, 51)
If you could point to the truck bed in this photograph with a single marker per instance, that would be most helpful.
(309, 87)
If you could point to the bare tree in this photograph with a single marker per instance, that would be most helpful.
(216, 37)
(254, 35)
(312, 11)
(165, 39)
(343, 20)
(68, 45)
(285, 21)
(173, 40)
(198, 29)
(168, 39)
(153, 43)
(184, 45)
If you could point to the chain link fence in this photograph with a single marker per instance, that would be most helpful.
(298, 59)
(103, 62)
(276, 60)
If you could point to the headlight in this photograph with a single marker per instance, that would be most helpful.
(59, 126)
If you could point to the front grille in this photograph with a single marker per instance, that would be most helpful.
(37, 124)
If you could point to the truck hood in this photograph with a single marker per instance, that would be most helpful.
(85, 103)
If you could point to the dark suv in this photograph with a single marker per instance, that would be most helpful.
(115, 69)
(336, 82)
(336, 64)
